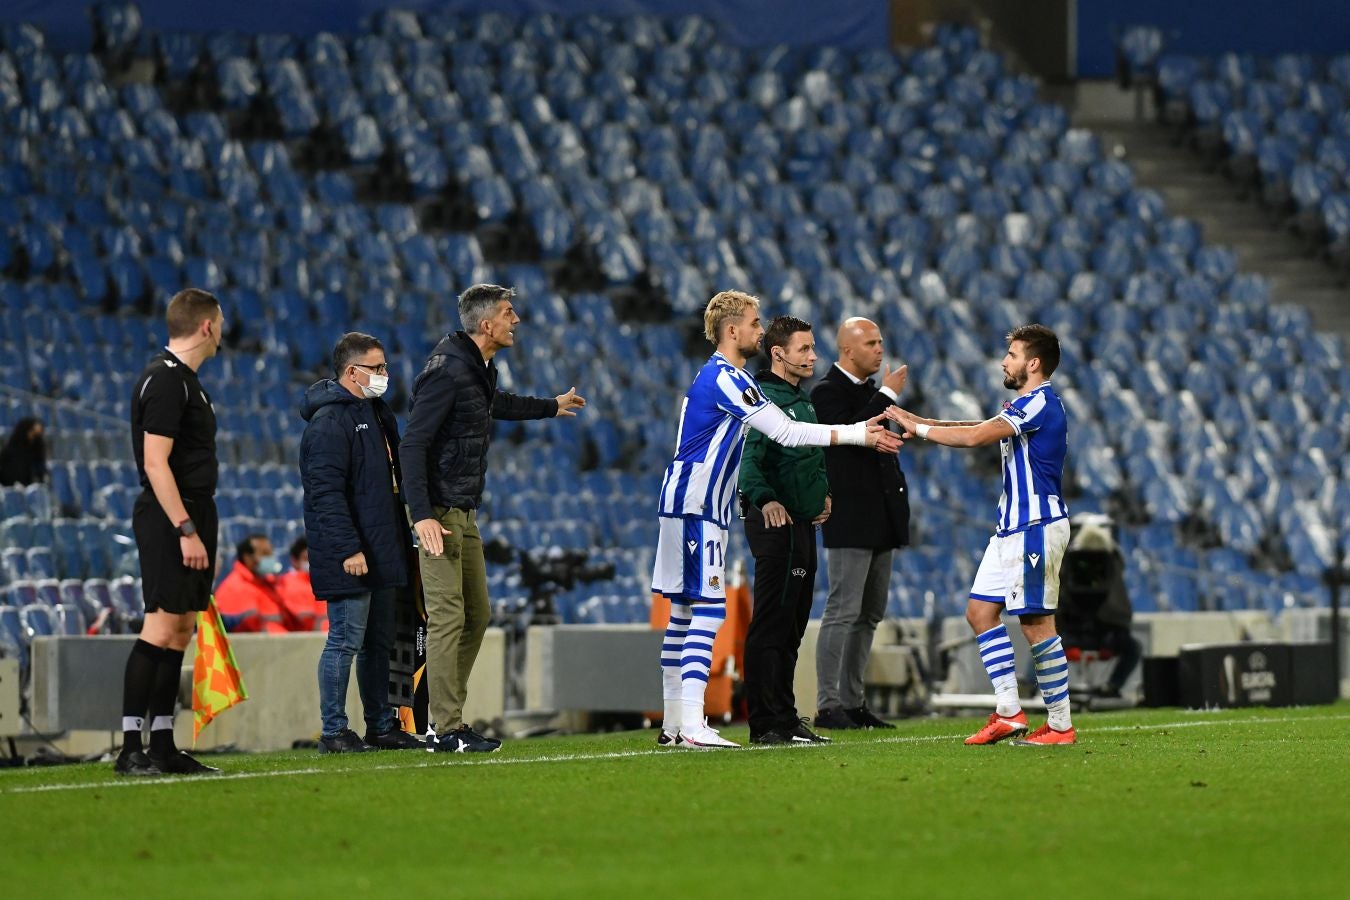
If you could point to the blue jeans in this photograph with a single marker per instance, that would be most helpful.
(361, 626)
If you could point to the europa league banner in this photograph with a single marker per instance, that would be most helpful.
(1230, 675)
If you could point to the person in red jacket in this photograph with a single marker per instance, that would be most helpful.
(297, 593)
(248, 598)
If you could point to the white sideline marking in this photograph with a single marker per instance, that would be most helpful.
(586, 757)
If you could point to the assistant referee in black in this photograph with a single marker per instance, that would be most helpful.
(173, 435)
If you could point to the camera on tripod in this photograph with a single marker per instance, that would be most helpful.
(546, 572)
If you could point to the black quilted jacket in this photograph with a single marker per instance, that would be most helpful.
(445, 448)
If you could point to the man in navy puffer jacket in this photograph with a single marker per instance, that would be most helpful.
(359, 542)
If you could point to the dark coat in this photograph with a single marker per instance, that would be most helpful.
(870, 502)
(350, 503)
(454, 400)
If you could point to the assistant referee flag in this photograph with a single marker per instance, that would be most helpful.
(216, 683)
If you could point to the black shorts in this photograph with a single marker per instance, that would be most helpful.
(167, 584)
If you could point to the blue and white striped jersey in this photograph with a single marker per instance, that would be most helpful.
(1033, 460)
(701, 481)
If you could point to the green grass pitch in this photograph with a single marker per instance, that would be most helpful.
(1156, 803)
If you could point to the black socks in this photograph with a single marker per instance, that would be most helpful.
(137, 687)
(150, 686)
(163, 699)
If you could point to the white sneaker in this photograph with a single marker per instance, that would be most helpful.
(701, 737)
(666, 739)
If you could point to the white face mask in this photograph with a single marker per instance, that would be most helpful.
(378, 385)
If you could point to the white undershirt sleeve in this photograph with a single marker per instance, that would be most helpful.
(781, 428)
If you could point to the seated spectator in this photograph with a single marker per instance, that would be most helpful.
(1094, 606)
(248, 599)
(296, 592)
(24, 457)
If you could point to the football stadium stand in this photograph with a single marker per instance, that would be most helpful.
(617, 172)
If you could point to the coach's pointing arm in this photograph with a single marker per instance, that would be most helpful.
(515, 407)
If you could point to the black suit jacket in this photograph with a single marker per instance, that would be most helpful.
(867, 489)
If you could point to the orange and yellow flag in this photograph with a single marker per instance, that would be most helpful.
(216, 683)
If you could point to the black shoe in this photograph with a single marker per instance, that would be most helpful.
(865, 718)
(773, 737)
(800, 731)
(485, 739)
(394, 739)
(176, 762)
(834, 717)
(135, 763)
(345, 741)
(1107, 691)
(463, 740)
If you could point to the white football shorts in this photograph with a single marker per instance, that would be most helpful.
(1021, 570)
(690, 561)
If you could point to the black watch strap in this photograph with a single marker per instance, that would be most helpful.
(187, 528)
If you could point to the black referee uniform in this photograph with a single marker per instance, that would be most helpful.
(169, 401)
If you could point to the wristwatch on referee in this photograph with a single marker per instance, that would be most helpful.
(186, 528)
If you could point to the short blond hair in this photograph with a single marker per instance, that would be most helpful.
(725, 305)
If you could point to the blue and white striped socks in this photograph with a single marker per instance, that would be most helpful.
(1052, 674)
(996, 652)
(672, 649)
(696, 662)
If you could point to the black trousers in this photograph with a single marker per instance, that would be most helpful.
(785, 578)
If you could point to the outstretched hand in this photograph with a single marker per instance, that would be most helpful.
(569, 401)
(881, 439)
(904, 418)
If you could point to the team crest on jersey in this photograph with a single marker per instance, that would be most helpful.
(715, 583)
(752, 397)
(1009, 408)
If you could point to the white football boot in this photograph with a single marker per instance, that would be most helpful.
(701, 737)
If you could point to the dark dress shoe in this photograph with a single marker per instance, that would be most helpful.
(866, 718)
(176, 762)
(135, 763)
(394, 739)
(834, 717)
(800, 731)
(770, 738)
(345, 741)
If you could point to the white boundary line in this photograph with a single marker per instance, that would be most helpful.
(461, 762)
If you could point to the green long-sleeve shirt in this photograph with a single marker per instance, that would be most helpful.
(794, 476)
